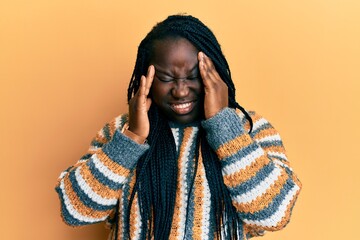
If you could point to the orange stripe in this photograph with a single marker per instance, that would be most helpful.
(199, 195)
(247, 123)
(265, 199)
(253, 230)
(101, 189)
(78, 205)
(114, 166)
(243, 175)
(99, 138)
(112, 127)
(233, 146)
(283, 221)
(265, 133)
(255, 117)
(176, 218)
(133, 217)
(279, 149)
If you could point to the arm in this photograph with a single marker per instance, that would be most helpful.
(255, 169)
(90, 189)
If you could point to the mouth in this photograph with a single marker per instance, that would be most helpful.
(183, 108)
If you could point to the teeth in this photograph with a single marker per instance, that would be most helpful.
(181, 106)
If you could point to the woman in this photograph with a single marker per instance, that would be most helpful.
(187, 161)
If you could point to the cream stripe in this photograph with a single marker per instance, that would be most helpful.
(101, 133)
(277, 154)
(138, 220)
(259, 123)
(118, 122)
(183, 183)
(90, 193)
(271, 138)
(243, 162)
(274, 219)
(175, 132)
(75, 214)
(63, 174)
(206, 208)
(106, 171)
(278, 162)
(260, 189)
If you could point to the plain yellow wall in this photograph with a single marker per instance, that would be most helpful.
(64, 69)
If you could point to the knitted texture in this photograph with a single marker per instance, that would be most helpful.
(255, 169)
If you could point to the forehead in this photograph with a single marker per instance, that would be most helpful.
(173, 50)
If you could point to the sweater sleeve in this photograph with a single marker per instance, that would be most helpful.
(90, 189)
(262, 185)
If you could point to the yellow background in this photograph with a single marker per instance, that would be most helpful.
(64, 70)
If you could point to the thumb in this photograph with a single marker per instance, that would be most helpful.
(148, 103)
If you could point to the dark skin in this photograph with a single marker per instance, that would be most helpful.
(183, 83)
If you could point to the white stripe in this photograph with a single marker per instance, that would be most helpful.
(101, 133)
(118, 122)
(63, 174)
(259, 123)
(90, 193)
(276, 218)
(93, 148)
(271, 138)
(260, 189)
(183, 184)
(206, 208)
(175, 132)
(243, 162)
(278, 162)
(75, 214)
(137, 220)
(277, 154)
(106, 171)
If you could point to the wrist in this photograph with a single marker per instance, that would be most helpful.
(138, 139)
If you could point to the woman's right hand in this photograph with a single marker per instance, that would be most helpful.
(139, 106)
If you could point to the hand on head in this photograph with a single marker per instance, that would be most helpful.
(215, 97)
(139, 106)
(216, 91)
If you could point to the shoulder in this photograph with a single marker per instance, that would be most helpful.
(119, 121)
(259, 122)
(109, 129)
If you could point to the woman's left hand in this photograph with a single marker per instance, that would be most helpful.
(216, 91)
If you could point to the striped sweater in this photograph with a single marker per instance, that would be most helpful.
(255, 169)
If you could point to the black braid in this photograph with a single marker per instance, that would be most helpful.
(156, 171)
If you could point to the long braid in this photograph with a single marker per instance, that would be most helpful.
(156, 172)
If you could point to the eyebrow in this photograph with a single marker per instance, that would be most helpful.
(167, 74)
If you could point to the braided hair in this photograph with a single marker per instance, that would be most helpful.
(156, 171)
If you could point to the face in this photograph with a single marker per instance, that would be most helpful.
(177, 87)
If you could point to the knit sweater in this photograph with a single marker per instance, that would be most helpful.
(255, 169)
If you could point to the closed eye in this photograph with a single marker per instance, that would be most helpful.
(193, 78)
(165, 79)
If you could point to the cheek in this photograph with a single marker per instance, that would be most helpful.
(158, 92)
(199, 88)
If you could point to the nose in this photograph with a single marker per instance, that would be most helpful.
(180, 89)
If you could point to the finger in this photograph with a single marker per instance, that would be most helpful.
(203, 72)
(148, 103)
(141, 90)
(209, 67)
(208, 72)
(149, 79)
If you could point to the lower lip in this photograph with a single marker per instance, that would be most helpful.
(183, 110)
